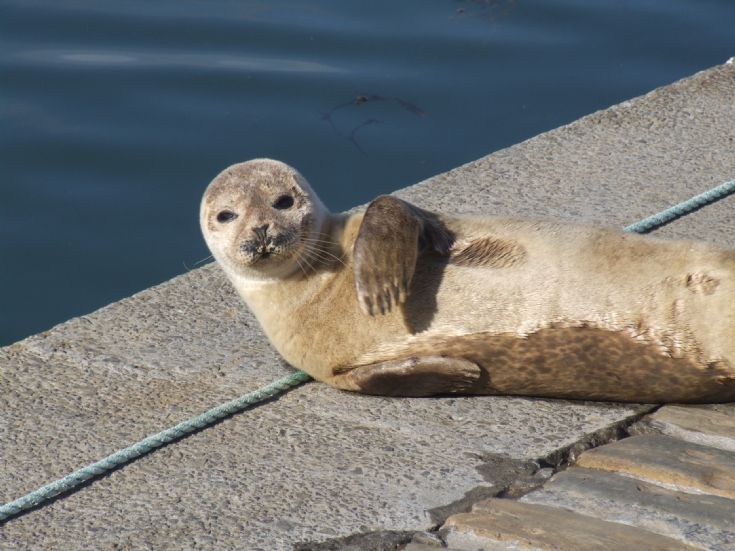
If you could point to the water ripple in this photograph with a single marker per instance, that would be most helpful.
(110, 59)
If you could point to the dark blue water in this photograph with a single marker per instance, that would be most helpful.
(115, 115)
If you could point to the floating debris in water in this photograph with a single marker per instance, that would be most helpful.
(358, 101)
(488, 10)
(352, 138)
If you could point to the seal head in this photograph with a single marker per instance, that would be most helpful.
(259, 218)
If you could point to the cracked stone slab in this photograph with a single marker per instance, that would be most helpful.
(701, 520)
(694, 424)
(669, 462)
(507, 524)
(318, 464)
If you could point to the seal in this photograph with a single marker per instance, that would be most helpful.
(400, 301)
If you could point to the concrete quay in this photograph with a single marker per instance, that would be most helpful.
(322, 469)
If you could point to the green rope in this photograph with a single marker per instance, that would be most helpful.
(682, 209)
(75, 479)
(117, 459)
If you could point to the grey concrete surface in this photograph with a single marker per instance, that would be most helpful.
(319, 464)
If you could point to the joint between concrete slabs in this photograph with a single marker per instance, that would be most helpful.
(562, 458)
(516, 479)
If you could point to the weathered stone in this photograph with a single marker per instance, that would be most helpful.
(667, 461)
(726, 409)
(693, 424)
(508, 524)
(383, 540)
(413, 546)
(524, 483)
(698, 519)
(427, 538)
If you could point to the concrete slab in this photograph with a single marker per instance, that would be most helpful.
(273, 476)
(506, 524)
(693, 424)
(701, 520)
(319, 464)
(669, 462)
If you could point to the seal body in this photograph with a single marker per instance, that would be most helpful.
(400, 301)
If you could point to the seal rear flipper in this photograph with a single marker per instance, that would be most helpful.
(391, 234)
(414, 376)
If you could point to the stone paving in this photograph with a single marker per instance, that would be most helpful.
(648, 491)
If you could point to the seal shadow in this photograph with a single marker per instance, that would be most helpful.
(421, 304)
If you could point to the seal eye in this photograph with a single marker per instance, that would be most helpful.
(283, 202)
(226, 216)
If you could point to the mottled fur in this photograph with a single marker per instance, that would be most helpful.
(542, 308)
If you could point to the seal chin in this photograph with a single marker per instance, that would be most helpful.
(255, 260)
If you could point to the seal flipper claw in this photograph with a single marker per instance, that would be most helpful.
(391, 234)
(414, 376)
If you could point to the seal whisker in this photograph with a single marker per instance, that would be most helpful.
(309, 264)
(194, 265)
(300, 266)
(325, 254)
(328, 254)
(307, 257)
(320, 237)
(320, 241)
(323, 247)
(315, 256)
(203, 260)
(323, 242)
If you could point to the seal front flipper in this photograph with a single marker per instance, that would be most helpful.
(391, 235)
(414, 376)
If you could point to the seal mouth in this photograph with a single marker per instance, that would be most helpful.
(260, 256)
(258, 253)
(262, 251)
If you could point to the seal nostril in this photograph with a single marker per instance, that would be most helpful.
(260, 231)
